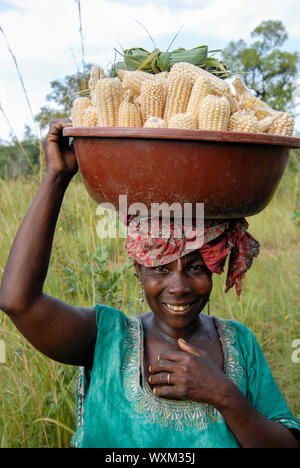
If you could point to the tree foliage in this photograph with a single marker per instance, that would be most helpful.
(63, 93)
(20, 157)
(264, 66)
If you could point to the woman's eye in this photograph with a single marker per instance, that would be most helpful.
(196, 267)
(160, 269)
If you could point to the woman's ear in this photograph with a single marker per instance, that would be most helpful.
(138, 270)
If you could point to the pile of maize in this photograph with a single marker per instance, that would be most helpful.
(186, 97)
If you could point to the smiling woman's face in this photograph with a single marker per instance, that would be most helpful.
(177, 297)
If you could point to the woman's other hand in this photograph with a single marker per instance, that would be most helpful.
(60, 156)
(188, 374)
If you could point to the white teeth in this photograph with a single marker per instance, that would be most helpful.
(173, 307)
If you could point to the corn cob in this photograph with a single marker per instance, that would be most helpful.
(162, 78)
(262, 110)
(192, 71)
(249, 102)
(152, 99)
(133, 79)
(137, 99)
(93, 97)
(243, 122)
(183, 121)
(214, 113)
(179, 88)
(95, 75)
(109, 94)
(77, 113)
(234, 106)
(246, 121)
(90, 117)
(155, 122)
(200, 89)
(220, 87)
(266, 123)
(129, 112)
(283, 125)
(239, 87)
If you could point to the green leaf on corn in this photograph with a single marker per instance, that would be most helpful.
(156, 61)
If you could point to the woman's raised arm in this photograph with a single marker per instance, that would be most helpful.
(62, 332)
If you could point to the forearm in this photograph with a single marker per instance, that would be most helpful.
(28, 261)
(250, 427)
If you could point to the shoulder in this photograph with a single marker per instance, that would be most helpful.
(238, 335)
(242, 353)
(108, 317)
(237, 328)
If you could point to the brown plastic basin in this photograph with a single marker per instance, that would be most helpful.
(234, 174)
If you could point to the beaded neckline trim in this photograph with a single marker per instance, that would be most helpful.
(177, 414)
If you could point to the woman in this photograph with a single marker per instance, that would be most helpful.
(170, 378)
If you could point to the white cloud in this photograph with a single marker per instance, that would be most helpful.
(5, 6)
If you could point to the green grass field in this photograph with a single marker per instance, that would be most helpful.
(37, 396)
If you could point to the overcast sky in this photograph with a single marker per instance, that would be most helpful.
(44, 36)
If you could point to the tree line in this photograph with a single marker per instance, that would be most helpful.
(263, 65)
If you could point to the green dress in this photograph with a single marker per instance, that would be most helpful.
(116, 407)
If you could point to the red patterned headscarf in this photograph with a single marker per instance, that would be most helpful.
(220, 238)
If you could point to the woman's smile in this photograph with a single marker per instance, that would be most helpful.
(179, 309)
(177, 296)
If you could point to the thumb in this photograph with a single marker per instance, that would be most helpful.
(184, 346)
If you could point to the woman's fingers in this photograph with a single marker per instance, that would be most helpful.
(190, 348)
(171, 372)
(171, 392)
(60, 156)
(162, 365)
(176, 356)
(55, 128)
(179, 355)
(60, 123)
(168, 385)
(54, 136)
(163, 378)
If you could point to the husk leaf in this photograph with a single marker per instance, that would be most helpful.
(156, 61)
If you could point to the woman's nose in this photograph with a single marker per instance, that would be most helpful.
(179, 284)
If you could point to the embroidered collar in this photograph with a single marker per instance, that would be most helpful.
(174, 413)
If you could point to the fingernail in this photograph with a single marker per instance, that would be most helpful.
(149, 379)
(150, 369)
(154, 390)
(158, 357)
(182, 340)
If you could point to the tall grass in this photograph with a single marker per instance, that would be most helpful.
(37, 395)
(37, 406)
